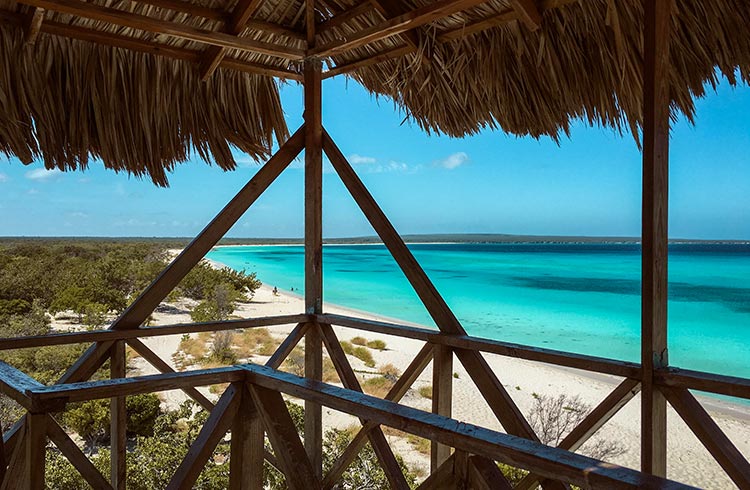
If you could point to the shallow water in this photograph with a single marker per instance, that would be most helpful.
(578, 298)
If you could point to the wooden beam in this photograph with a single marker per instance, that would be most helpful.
(36, 448)
(291, 456)
(395, 26)
(343, 17)
(313, 253)
(442, 477)
(493, 21)
(16, 463)
(247, 450)
(211, 433)
(288, 345)
(17, 385)
(75, 456)
(33, 25)
(442, 398)
(711, 436)
(242, 12)
(656, 100)
(696, 380)
(143, 332)
(118, 421)
(153, 358)
(548, 461)
(394, 8)
(141, 46)
(168, 28)
(594, 421)
(483, 474)
(560, 358)
(349, 379)
(399, 389)
(369, 60)
(528, 13)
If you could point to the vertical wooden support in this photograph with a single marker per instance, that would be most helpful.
(36, 447)
(118, 420)
(442, 398)
(246, 460)
(656, 101)
(313, 242)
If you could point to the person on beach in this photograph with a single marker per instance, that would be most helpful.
(275, 291)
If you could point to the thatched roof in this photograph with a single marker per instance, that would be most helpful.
(121, 80)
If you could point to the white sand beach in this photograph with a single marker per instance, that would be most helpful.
(689, 462)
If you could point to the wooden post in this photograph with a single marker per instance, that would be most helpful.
(118, 420)
(442, 398)
(36, 448)
(313, 240)
(656, 101)
(246, 460)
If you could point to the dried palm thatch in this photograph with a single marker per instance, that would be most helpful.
(477, 66)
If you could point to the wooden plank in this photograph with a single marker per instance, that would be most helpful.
(442, 398)
(549, 356)
(520, 452)
(107, 388)
(247, 451)
(36, 448)
(484, 474)
(290, 453)
(33, 25)
(168, 28)
(211, 433)
(310, 23)
(399, 389)
(394, 26)
(3, 459)
(442, 477)
(656, 100)
(594, 421)
(176, 329)
(10, 437)
(73, 453)
(153, 358)
(711, 436)
(17, 385)
(696, 380)
(501, 403)
(288, 345)
(348, 378)
(118, 421)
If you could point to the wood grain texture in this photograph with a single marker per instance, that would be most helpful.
(247, 447)
(118, 421)
(442, 398)
(655, 194)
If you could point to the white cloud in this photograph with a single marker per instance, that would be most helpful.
(359, 159)
(3, 177)
(42, 174)
(78, 215)
(453, 161)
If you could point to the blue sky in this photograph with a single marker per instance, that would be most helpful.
(589, 184)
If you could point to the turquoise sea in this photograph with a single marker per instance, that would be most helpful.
(579, 298)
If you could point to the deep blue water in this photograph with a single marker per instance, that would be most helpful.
(578, 298)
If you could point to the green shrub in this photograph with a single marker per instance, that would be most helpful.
(426, 391)
(364, 355)
(376, 344)
(347, 347)
(359, 341)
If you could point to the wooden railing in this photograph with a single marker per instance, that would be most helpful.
(462, 453)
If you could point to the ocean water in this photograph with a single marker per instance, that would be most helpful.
(577, 298)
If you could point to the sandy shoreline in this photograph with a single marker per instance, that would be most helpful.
(688, 461)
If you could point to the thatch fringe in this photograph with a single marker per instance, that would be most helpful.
(67, 101)
(584, 63)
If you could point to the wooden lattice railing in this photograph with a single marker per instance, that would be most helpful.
(252, 405)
